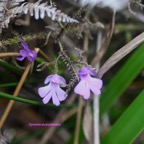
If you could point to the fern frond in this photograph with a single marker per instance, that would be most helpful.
(40, 10)
(6, 136)
(9, 9)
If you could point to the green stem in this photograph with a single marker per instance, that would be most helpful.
(31, 102)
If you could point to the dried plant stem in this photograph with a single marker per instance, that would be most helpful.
(68, 114)
(100, 53)
(122, 52)
(96, 99)
(16, 92)
(100, 49)
(85, 48)
(78, 122)
(44, 55)
(9, 54)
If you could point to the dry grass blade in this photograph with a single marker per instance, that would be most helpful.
(117, 56)
(105, 44)
(87, 124)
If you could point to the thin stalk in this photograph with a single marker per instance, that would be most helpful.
(96, 98)
(78, 121)
(33, 102)
(44, 55)
(9, 54)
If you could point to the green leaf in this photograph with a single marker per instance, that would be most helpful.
(129, 125)
(122, 79)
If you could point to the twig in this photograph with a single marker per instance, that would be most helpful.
(9, 54)
(44, 55)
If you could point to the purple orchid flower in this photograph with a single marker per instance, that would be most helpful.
(27, 53)
(53, 90)
(88, 83)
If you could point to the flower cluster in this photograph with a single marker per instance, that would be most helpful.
(86, 84)
(27, 53)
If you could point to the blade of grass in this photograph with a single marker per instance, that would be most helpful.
(27, 137)
(122, 79)
(32, 102)
(8, 85)
(11, 67)
(129, 125)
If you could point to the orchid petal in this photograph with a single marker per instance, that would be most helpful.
(80, 88)
(87, 92)
(20, 58)
(25, 46)
(61, 94)
(95, 86)
(96, 82)
(48, 78)
(23, 53)
(55, 99)
(31, 56)
(91, 71)
(47, 98)
(96, 92)
(43, 91)
(62, 80)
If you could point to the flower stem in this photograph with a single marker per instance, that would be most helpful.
(16, 92)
